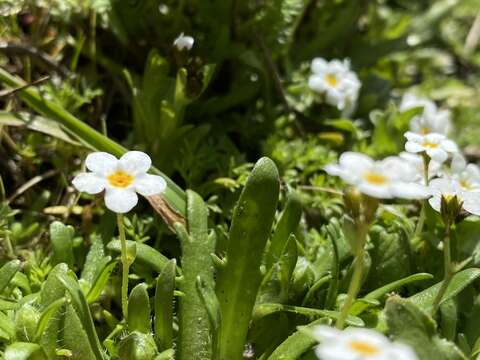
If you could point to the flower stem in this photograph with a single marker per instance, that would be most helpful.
(125, 265)
(421, 218)
(356, 280)
(448, 269)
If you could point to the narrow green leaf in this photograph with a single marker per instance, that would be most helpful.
(46, 315)
(460, 281)
(81, 307)
(286, 225)
(263, 310)
(139, 309)
(164, 305)
(101, 280)
(358, 307)
(296, 344)
(61, 237)
(195, 337)
(7, 272)
(239, 280)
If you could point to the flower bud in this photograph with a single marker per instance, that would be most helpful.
(353, 200)
(450, 208)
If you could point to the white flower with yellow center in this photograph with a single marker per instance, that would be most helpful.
(430, 120)
(358, 344)
(335, 79)
(385, 179)
(121, 179)
(436, 146)
(183, 42)
(467, 175)
(448, 188)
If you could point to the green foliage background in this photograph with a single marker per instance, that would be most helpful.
(205, 117)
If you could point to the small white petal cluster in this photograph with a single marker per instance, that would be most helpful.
(437, 146)
(463, 181)
(336, 82)
(121, 179)
(183, 42)
(392, 177)
(430, 120)
(358, 344)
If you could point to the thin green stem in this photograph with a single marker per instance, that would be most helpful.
(448, 269)
(125, 265)
(356, 280)
(422, 216)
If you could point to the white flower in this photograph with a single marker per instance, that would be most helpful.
(437, 146)
(467, 175)
(385, 179)
(431, 120)
(448, 188)
(120, 178)
(335, 79)
(416, 161)
(183, 42)
(358, 344)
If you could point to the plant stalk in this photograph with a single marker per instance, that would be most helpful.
(422, 216)
(356, 280)
(448, 269)
(125, 265)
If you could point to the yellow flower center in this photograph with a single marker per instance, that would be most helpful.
(120, 179)
(331, 80)
(466, 185)
(363, 348)
(375, 178)
(424, 131)
(430, 145)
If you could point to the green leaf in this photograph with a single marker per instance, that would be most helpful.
(296, 344)
(137, 346)
(74, 337)
(36, 123)
(80, 305)
(263, 310)
(95, 260)
(46, 315)
(239, 280)
(61, 237)
(101, 280)
(24, 351)
(53, 289)
(195, 337)
(276, 283)
(359, 306)
(146, 255)
(139, 309)
(286, 225)
(164, 305)
(7, 272)
(408, 324)
(460, 281)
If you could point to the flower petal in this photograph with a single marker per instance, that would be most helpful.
(376, 191)
(435, 202)
(90, 183)
(120, 200)
(410, 191)
(458, 163)
(147, 184)
(355, 162)
(413, 147)
(135, 162)
(449, 146)
(326, 333)
(437, 154)
(101, 163)
(318, 65)
(471, 203)
(401, 352)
